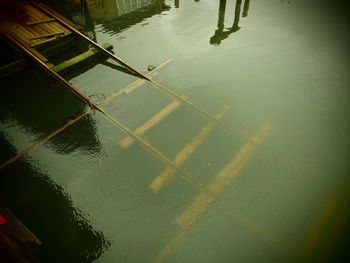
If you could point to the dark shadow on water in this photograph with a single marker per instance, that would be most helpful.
(81, 137)
(7, 151)
(36, 101)
(119, 68)
(28, 192)
(45, 209)
(37, 105)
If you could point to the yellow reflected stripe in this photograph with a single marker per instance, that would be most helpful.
(189, 217)
(184, 154)
(128, 141)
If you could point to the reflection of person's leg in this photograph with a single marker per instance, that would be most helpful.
(235, 26)
(245, 8)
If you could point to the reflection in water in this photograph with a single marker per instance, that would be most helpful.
(85, 142)
(177, 3)
(107, 9)
(46, 210)
(27, 113)
(112, 15)
(7, 151)
(102, 8)
(40, 203)
(221, 34)
(119, 68)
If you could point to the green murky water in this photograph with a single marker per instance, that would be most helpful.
(268, 182)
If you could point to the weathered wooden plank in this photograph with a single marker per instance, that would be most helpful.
(47, 35)
(55, 14)
(37, 16)
(31, 16)
(46, 20)
(48, 27)
(39, 43)
(17, 30)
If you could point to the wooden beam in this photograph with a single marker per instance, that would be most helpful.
(47, 35)
(81, 58)
(189, 217)
(47, 20)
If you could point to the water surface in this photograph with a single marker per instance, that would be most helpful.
(266, 183)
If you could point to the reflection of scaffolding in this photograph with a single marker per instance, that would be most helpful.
(108, 9)
(221, 33)
(102, 8)
(119, 15)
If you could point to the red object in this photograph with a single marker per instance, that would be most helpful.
(2, 220)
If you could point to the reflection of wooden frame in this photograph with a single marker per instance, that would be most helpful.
(102, 8)
(49, 35)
